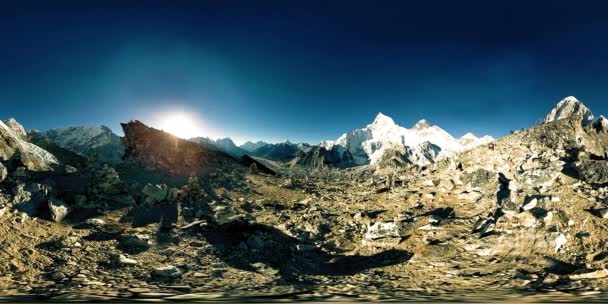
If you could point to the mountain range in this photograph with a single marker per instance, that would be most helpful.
(381, 143)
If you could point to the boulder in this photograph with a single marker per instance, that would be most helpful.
(167, 272)
(3, 172)
(121, 259)
(155, 193)
(593, 171)
(381, 230)
(470, 195)
(58, 210)
(134, 242)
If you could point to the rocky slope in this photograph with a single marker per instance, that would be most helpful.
(166, 153)
(95, 142)
(16, 151)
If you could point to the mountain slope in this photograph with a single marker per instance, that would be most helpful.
(281, 152)
(252, 146)
(94, 142)
(222, 144)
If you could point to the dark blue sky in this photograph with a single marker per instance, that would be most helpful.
(303, 70)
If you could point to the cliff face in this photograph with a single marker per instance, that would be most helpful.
(165, 153)
(14, 146)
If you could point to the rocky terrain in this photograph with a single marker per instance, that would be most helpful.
(520, 218)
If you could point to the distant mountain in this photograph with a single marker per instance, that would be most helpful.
(252, 146)
(225, 145)
(569, 107)
(281, 152)
(94, 142)
(383, 140)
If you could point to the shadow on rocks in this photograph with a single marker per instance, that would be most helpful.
(242, 245)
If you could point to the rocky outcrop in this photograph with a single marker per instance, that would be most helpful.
(15, 149)
(593, 171)
(166, 153)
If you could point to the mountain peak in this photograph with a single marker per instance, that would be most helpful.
(469, 136)
(422, 124)
(569, 107)
(382, 119)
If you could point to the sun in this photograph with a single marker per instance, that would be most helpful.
(181, 125)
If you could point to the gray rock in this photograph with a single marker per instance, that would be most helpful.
(95, 222)
(121, 259)
(470, 195)
(381, 230)
(603, 212)
(134, 242)
(531, 203)
(155, 193)
(167, 272)
(3, 172)
(593, 171)
(480, 178)
(58, 210)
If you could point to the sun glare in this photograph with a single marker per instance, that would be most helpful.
(181, 125)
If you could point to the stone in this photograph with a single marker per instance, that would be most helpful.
(3, 172)
(480, 223)
(428, 183)
(603, 212)
(3, 209)
(167, 272)
(134, 242)
(58, 210)
(470, 195)
(530, 204)
(95, 222)
(381, 230)
(155, 193)
(526, 219)
(593, 171)
(68, 242)
(598, 274)
(121, 259)
(559, 240)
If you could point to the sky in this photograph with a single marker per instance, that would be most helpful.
(300, 70)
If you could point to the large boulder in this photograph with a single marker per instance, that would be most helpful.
(14, 148)
(3, 172)
(58, 210)
(593, 171)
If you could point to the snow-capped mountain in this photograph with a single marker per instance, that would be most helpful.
(252, 146)
(423, 143)
(93, 142)
(569, 107)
